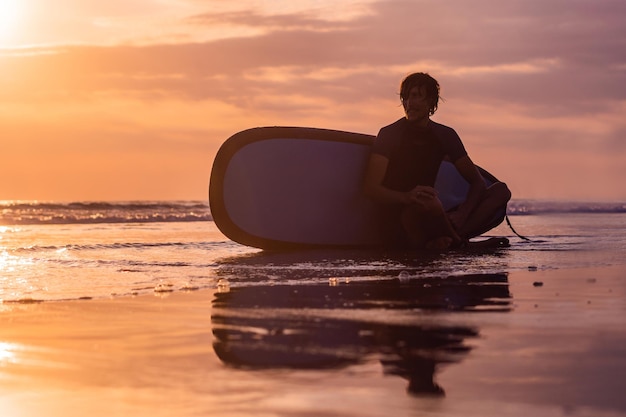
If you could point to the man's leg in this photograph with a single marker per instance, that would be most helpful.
(494, 198)
(427, 226)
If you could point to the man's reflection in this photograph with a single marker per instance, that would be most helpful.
(333, 326)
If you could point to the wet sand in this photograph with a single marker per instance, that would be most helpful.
(541, 343)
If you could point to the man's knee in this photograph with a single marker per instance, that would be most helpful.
(499, 192)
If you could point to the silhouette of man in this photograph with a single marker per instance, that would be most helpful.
(402, 170)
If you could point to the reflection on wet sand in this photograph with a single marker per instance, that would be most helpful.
(320, 265)
(316, 326)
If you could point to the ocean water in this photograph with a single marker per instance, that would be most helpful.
(534, 329)
(53, 251)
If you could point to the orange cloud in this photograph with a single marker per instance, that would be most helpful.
(529, 89)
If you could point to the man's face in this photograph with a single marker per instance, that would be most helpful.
(416, 105)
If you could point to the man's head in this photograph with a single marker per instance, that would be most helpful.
(423, 85)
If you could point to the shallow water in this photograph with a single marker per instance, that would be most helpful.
(479, 345)
(73, 261)
(467, 345)
(226, 330)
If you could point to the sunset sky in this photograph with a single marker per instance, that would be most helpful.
(130, 99)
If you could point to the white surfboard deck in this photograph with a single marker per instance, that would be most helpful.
(292, 187)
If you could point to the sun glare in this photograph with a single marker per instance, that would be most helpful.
(8, 353)
(10, 12)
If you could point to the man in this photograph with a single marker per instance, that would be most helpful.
(402, 169)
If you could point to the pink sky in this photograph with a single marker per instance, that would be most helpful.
(130, 99)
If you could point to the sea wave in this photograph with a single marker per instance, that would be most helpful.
(35, 212)
(530, 207)
(31, 212)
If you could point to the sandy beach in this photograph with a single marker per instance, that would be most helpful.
(555, 346)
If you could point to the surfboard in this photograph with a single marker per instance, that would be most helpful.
(279, 188)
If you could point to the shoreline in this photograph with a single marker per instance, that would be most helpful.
(558, 350)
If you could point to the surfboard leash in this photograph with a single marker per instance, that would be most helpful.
(517, 234)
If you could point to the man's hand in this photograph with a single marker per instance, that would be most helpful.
(421, 194)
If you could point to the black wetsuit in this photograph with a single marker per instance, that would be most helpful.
(414, 154)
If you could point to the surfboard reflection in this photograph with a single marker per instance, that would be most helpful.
(334, 326)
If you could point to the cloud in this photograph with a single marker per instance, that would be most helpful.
(523, 75)
(519, 50)
(550, 59)
(266, 23)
